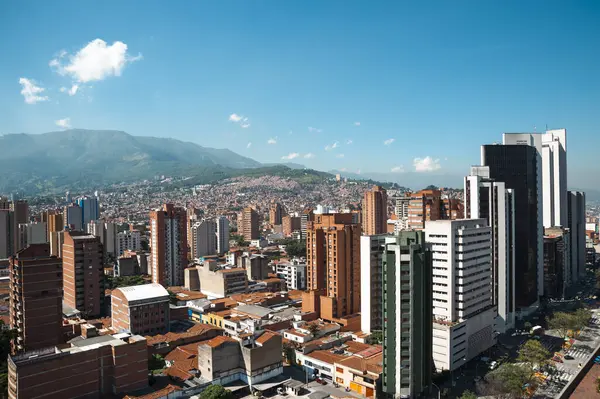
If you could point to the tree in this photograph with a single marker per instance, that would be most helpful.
(289, 351)
(527, 325)
(376, 337)
(6, 336)
(581, 318)
(533, 354)
(313, 328)
(172, 297)
(216, 392)
(468, 395)
(296, 248)
(156, 362)
(561, 322)
(508, 380)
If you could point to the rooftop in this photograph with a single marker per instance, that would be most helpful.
(254, 310)
(141, 292)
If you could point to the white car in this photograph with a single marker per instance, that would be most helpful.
(493, 365)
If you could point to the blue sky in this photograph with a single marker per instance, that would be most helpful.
(440, 80)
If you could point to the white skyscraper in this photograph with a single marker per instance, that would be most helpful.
(204, 238)
(490, 200)
(222, 235)
(463, 307)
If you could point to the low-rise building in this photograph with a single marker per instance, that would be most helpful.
(141, 309)
(293, 273)
(95, 367)
(219, 281)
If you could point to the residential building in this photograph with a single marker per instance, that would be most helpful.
(83, 273)
(250, 224)
(127, 265)
(519, 167)
(223, 359)
(276, 212)
(557, 258)
(401, 212)
(95, 367)
(141, 309)
(222, 235)
(6, 233)
(204, 239)
(54, 221)
(32, 233)
(293, 273)
(20, 211)
(333, 260)
(73, 217)
(406, 319)
(371, 278)
(374, 211)
(306, 216)
(424, 205)
(128, 240)
(290, 224)
(576, 225)
(90, 209)
(110, 239)
(36, 298)
(57, 239)
(256, 266)
(487, 199)
(463, 307)
(169, 245)
(216, 281)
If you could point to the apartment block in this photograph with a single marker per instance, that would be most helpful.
(333, 264)
(276, 212)
(423, 206)
(36, 282)
(169, 244)
(250, 229)
(204, 239)
(406, 316)
(20, 211)
(217, 281)
(293, 273)
(73, 217)
(83, 273)
(6, 233)
(222, 235)
(306, 216)
(256, 266)
(32, 233)
(141, 309)
(290, 224)
(96, 367)
(371, 278)
(576, 224)
(128, 240)
(463, 308)
(374, 211)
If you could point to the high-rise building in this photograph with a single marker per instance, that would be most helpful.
(110, 238)
(333, 264)
(128, 240)
(6, 233)
(204, 239)
(193, 215)
(20, 210)
(519, 167)
(55, 222)
(463, 307)
(557, 266)
(4, 203)
(250, 224)
(169, 245)
(492, 201)
(407, 318)
(36, 298)
(374, 210)
(424, 205)
(290, 224)
(552, 148)
(32, 233)
(73, 217)
(306, 216)
(576, 225)
(275, 213)
(371, 282)
(90, 209)
(222, 235)
(83, 273)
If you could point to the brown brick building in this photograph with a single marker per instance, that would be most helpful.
(35, 298)
(250, 229)
(96, 367)
(141, 309)
(169, 243)
(374, 211)
(290, 224)
(276, 212)
(423, 206)
(83, 273)
(333, 264)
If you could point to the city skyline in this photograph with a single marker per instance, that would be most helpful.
(341, 88)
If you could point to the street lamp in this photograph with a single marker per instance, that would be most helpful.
(439, 390)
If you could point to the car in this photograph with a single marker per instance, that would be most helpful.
(569, 357)
(493, 365)
(323, 382)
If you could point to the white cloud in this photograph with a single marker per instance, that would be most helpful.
(356, 123)
(272, 140)
(314, 130)
(349, 141)
(96, 61)
(235, 117)
(343, 170)
(332, 146)
(389, 141)
(339, 156)
(64, 123)
(398, 169)
(291, 155)
(309, 155)
(31, 91)
(426, 164)
(244, 125)
(249, 145)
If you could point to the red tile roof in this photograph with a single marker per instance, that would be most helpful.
(218, 341)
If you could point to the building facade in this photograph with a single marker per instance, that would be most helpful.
(374, 210)
(83, 273)
(371, 278)
(222, 235)
(275, 213)
(250, 229)
(169, 245)
(423, 206)
(293, 273)
(204, 239)
(36, 298)
(406, 317)
(141, 309)
(576, 224)
(128, 240)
